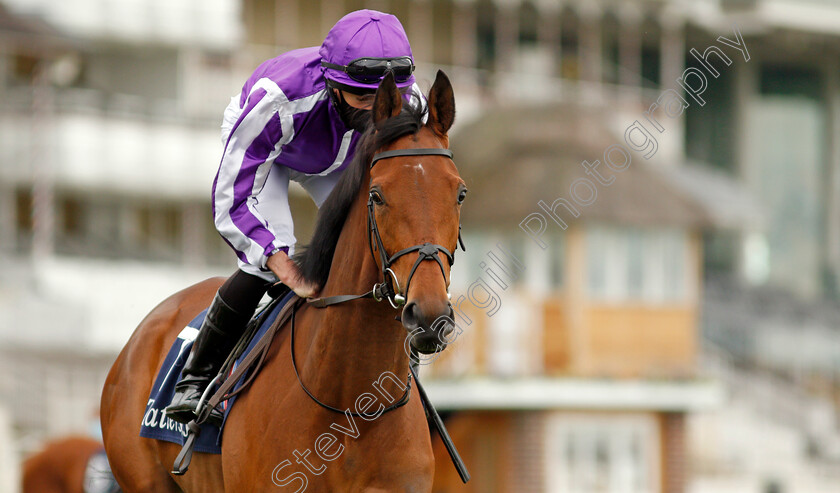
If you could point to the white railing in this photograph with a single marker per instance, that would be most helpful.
(780, 400)
(213, 23)
(121, 155)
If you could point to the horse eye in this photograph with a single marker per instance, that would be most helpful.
(462, 195)
(376, 197)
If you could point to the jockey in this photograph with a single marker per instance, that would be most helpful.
(299, 117)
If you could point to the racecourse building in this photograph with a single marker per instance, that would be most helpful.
(648, 297)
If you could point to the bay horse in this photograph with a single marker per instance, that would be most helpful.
(342, 351)
(59, 467)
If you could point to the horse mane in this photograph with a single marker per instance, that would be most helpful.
(316, 258)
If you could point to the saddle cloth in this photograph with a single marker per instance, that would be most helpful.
(98, 476)
(156, 424)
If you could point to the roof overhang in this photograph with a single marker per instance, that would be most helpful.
(725, 200)
(514, 157)
(32, 35)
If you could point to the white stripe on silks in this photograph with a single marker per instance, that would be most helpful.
(286, 111)
(248, 130)
(342, 154)
(303, 105)
(231, 115)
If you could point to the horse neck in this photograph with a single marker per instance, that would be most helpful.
(347, 347)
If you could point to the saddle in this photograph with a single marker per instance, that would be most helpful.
(157, 425)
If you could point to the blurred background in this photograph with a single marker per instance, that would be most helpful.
(681, 334)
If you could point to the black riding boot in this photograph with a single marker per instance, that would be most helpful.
(219, 333)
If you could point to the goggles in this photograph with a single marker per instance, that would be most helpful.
(361, 92)
(372, 70)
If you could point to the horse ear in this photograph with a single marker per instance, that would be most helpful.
(387, 102)
(441, 104)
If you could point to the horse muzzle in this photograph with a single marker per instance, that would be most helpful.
(428, 327)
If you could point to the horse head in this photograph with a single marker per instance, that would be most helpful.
(414, 206)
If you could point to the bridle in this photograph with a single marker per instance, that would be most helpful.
(385, 289)
(426, 251)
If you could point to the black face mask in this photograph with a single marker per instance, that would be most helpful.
(355, 118)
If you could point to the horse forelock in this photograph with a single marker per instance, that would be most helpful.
(316, 258)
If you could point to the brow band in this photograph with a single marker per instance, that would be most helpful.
(411, 152)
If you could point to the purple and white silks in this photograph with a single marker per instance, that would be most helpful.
(282, 126)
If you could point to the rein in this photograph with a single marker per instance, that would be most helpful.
(384, 289)
(379, 291)
(403, 400)
(426, 251)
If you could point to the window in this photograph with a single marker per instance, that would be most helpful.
(71, 225)
(610, 67)
(159, 234)
(485, 35)
(650, 68)
(114, 227)
(602, 454)
(674, 264)
(557, 259)
(24, 68)
(101, 228)
(596, 255)
(466, 269)
(508, 332)
(636, 264)
(218, 251)
(528, 19)
(72, 215)
(23, 210)
(569, 40)
(514, 246)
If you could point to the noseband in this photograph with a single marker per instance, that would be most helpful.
(426, 251)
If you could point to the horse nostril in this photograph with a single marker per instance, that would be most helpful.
(411, 315)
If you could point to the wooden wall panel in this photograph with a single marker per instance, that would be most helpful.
(485, 442)
(556, 342)
(632, 341)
